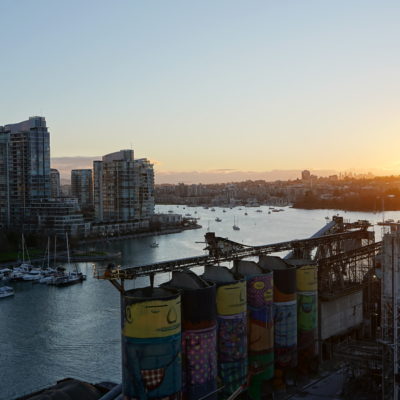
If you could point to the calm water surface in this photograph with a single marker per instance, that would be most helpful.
(49, 333)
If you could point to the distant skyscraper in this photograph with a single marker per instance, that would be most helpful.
(25, 173)
(55, 187)
(4, 179)
(123, 187)
(82, 187)
(144, 199)
(305, 175)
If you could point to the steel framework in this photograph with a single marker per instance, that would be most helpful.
(339, 256)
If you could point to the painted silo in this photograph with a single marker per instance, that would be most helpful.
(307, 313)
(261, 329)
(232, 327)
(285, 311)
(199, 334)
(151, 343)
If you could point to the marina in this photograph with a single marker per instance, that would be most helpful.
(68, 337)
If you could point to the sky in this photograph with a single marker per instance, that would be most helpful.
(201, 87)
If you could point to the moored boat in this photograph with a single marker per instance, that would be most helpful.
(6, 291)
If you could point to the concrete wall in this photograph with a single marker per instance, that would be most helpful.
(340, 314)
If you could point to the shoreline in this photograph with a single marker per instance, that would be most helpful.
(141, 234)
(62, 257)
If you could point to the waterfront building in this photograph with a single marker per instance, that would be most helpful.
(123, 187)
(55, 186)
(56, 216)
(28, 188)
(82, 187)
(4, 179)
(144, 188)
(25, 169)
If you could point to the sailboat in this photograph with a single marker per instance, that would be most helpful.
(72, 277)
(47, 273)
(24, 267)
(235, 227)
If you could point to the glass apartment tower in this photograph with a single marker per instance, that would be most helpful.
(24, 168)
(82, 187)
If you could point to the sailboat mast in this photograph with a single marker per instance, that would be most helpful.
(55, 249)
(23, 249)
(66, 237)
(48, 251)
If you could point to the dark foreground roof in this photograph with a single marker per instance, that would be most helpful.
(68, 389)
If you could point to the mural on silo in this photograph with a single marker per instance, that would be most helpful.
(232, 328)
(307, 312)
(260, 325)
(285, 328)
(285, 312)
(151, 344)
(199, 334)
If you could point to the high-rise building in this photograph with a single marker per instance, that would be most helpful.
(26, 201)
(55, 186)
(305, 175)
(144, 199)
(26, 168)
(4, 179)
(82, 187)
(123, 187)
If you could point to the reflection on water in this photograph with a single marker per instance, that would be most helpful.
(49, 333)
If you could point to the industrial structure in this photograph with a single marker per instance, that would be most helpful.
(331, 299)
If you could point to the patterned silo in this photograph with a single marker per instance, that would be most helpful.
(307, 314)
(232, 328)
(261, 326)
(151, 344)
(285, 312)
(199, 334)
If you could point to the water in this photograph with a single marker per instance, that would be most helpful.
(49, 333)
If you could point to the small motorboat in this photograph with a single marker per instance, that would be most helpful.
(154, 245)
(6, 291)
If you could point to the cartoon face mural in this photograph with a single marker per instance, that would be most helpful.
(261, 334)
(152, 368)
(151, 344)
(152, 319)
(307, 278)
(231, 298)
(285, 324)
(259, 290)
(307, 311)
(259, 340)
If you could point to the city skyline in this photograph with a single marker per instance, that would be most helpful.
(65, 164)
(215, 86)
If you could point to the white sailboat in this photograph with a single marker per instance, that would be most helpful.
(235, 227)
(6, 291)
(70, 278)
